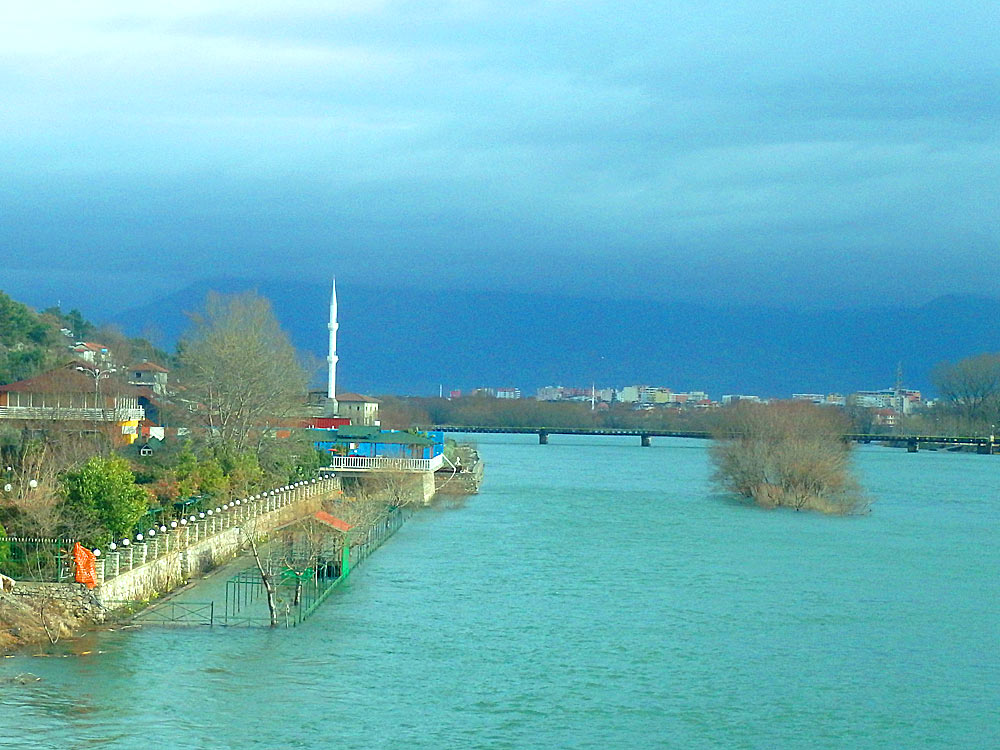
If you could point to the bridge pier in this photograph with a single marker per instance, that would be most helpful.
(645, 441)
(912, 446)
(985, 449)
(543, 438)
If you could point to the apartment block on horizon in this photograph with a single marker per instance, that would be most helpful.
(560, 393)
(902, 400)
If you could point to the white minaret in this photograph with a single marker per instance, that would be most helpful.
(331, 385)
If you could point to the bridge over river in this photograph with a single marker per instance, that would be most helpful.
(984, 445)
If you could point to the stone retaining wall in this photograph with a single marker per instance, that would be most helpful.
(171, 570)
(74, 598)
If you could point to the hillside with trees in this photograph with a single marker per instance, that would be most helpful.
(29, 342)
(236, 380)
(32, 341)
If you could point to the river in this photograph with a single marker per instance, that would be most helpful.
(595, 594)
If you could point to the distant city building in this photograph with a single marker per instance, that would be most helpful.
(901, 400)
(631, 394)
(559, 393)
(648, 395)
(736, 398)
(816, 398)
(508, 393)
(886, 417)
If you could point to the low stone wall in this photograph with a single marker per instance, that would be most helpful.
(74, 598)
(171, 570)
(41, 612)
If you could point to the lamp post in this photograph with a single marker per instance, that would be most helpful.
(98, 375)
(17, 484)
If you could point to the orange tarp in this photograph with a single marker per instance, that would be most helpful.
(86, 565)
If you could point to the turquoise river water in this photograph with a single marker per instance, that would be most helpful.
(595, 594)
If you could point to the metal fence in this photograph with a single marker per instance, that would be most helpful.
(303, 579)
(178, 613)
(45, 559)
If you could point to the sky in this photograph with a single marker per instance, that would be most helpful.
(800, 154)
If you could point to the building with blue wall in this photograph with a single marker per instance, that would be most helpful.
(360, 440)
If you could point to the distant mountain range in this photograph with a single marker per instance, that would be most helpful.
(409, 341)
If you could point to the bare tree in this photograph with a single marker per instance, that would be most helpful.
(304, 548)
(972, 387)
(241, 367)
(34, 504)
(787, 454)
(375, 496)
(264, 568)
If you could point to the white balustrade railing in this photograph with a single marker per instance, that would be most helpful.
(384, 463)
(122, 556)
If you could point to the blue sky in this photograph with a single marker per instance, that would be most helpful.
(822, 153)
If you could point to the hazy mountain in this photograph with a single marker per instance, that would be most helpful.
(408, 341)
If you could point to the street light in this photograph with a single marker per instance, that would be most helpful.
(98, 374)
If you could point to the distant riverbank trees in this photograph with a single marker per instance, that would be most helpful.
(486, 411)
(969, 392)
(787, 454)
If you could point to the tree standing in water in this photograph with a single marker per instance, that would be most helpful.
(787, 454)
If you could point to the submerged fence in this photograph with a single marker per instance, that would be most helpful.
(302, 580)
(45, 559)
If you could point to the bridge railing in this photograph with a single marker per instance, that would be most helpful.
(543, 432)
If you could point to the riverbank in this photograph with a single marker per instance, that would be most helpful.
(30, 615)
(465, 474)
(45, 613)
(42, 612)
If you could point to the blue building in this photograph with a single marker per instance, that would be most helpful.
(361, 440)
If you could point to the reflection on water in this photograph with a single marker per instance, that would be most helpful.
(595, 594)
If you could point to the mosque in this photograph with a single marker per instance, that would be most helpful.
(349, 424)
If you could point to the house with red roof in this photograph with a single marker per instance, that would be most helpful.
(88, 351)
(149, 375)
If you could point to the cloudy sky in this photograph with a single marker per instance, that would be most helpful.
(803, 153)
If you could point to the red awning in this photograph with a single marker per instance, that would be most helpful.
(340, 525)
